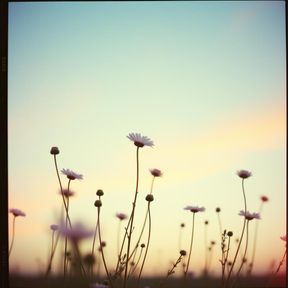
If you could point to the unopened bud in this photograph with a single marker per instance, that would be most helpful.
(149, 197)
(54, 151)
(99, 192)
(98, 203)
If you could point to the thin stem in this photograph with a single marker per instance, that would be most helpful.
(140, 236)
(245, 251)
(93, 247)
(118, 238)
(82, 270)
(225, 261)
(273, 275)
(132, 218)
(180, 238)
(49, 266)
(191, 243)
(136, 264)
(220, 224)
(101, 248)
(281, 262)
(61, 188)
(242, 233)
(206, 255)
(66, 225)
(148, 242)
(171, 271)
(244, 196)
(254, 242)
(145, 220)
(13, 236)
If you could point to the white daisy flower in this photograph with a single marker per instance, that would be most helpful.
(244, 174)
(140, 141)
(71, 175)
(17, 212)
(249, 216)
(195, 209)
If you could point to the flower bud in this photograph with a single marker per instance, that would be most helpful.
(98, 203)
(183, 253)
(54, 151)
(99, 192)
(230, 233)
(149, 197)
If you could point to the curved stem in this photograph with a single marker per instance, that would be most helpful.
(237, 251)
(225, 261)
(136, 264)
(245, 251)
(244, 196)
(220, 224)
(132, 218)
(243, 229)
(254, 242)
(271, 278)
(171, 271)
(93, 246)
(206, 254)
(141, 233)
(13, 236)
(191, 243)
(101, 248)
(61, 188)
(148, 242)
(52, 254)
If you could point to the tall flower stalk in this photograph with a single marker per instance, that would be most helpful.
(16, 213)
(243, 174)
(248, 217)
(98, 204)
(193, 209)
(139, 142)
(263, 199)
(225, 253)
(71, 175)
(54, 243)
(205, 271)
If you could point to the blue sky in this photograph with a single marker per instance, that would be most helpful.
(206, 81)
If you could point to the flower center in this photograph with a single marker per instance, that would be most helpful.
(138, 144)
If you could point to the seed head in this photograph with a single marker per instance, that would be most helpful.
(99, 192)
(54, 151)
(230, 233)
(98, 203)
(183, 253)
(149, 198)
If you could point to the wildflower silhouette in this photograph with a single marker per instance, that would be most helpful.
(16, 213)
(263, 199)
(243, 174)
(194, 210)
(54, 228)
(139, 141)
(248, 217)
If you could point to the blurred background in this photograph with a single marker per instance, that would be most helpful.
(206, 81)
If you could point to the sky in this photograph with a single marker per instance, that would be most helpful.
(206, 81)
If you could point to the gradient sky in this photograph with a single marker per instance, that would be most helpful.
(206, 81)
